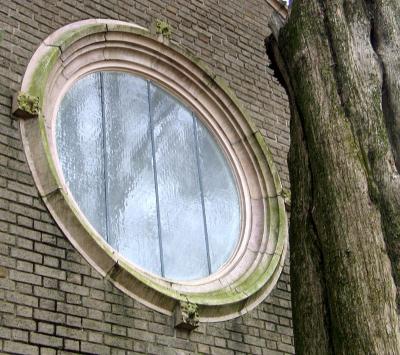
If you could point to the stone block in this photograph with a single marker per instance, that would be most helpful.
(25, 105)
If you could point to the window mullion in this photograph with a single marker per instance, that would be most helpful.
(105, 170)
(153, 150)
(196, 142)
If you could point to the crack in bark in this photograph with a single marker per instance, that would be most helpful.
(387, 104)
(386, 202)
(327, 315)
(338, 85)
(280, 68)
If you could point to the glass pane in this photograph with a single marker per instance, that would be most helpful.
(220, 199)
(182, 226)
(131, 196)
(105, 144)
(80, 148)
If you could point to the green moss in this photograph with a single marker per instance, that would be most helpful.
(287, 197)
(190, 314)
(222, 297)
(46, 147)
(69, 37)
(49, 59)
(234, 295)
(250, 283)
(120, 27)
(3, 272)
(283, 227)
(148, 281)
(268, 156)
(39, 78)
(28, 103)
(163, 28)
(259, 277)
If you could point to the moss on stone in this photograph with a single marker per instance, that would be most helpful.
(125, 28)
(234, 295)
(287, 197)
(189, 314)
(3, 272)
(47, 151)
(71, 36)
(28, 104)
(270, 160)
(41, 74)
(163, 28)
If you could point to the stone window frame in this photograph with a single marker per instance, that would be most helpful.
(93, 45)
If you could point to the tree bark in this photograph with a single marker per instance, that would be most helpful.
(339, 61)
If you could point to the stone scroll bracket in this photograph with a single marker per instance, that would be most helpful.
(25, 105)
(186, 316)
(163, 31)
(163, 28)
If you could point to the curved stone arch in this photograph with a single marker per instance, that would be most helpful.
(92, 45)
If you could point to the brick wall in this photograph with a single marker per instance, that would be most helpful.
(51, 300)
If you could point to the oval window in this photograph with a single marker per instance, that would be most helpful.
(170, 204)
(148, 175)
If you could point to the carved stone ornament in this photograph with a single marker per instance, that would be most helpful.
(87, 46)
(163, 28)
(186, 316)
(25, 105)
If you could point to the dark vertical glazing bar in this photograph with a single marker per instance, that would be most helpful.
(103, 115)
(153, 150)
(196, 140)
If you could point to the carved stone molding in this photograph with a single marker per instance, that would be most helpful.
(93, 45)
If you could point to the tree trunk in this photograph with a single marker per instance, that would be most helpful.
(340, 63)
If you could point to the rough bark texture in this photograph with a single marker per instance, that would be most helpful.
(339, 61)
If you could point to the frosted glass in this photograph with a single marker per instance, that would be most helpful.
(131, 199)
(148, 175)
(182, 225)
(220, 199)
(79, 138)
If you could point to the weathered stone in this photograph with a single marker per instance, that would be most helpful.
(25, 105)
(186, 316)
(163, 28)
(3, 272)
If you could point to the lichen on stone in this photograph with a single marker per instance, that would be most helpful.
(3, 272)
(287, 197)
(26, 105)
(188, 317)
(190, 313)
(163, 28)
